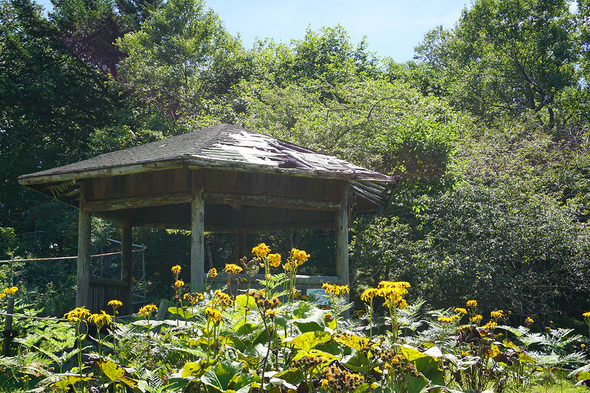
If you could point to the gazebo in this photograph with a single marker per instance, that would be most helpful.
(223, 179)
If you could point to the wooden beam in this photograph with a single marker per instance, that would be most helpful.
(269, 201)
(216, 198)
(83, 269)
(197, 235)
(137, 202)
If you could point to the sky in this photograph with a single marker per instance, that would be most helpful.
(392, 27)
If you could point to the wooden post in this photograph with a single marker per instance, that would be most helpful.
(342, 242)
(84, 229)
(126, 266)
(342, 269)
(197, 237)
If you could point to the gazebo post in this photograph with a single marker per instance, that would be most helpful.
(83, 269)
(126, 265)
(342, 268)
(197, 236)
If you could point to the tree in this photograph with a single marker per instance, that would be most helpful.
(50, 103)
(180, 58)
(506, 57)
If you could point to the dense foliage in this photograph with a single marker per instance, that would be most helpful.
(272, 339)
(487, 128)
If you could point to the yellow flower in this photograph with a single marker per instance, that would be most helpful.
(274, 260)
(455, 317)
(2, 294)
(299, 256)
(147, 310)
(11, 290)
(179, 284)
(445, 320)
(586, 314)
(460, 310)
(472, 303)
(115, 304)
(335, 290)
(77, 314)
(222, 300)
(272, 313)
(368, 294)
(497, 314)
(476, 318)
(213, 314)
(101, 319)
(490, 325)
(261, 250)
(232, 268)
(175, 269)
(212, 273)
(529, 321)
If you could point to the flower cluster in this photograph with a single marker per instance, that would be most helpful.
(11, 290)
(175, 269)
(100, 319)
(335, 290)
(232, 268)
(193, 298)
(213, 315)
(115, 304)
(179, 284)
(368, 295)
(147, 310)
(393, 292)
(212, 273)
(308, 362)
(261, 250)
(340, 379)
(222, 300)
(77, 314)
(449, 320)
(274, 260)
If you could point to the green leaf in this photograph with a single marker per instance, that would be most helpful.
(222, 375)
(115, 373)
(182, 312)
(315, 321)
(244, 300)
(192, 369)
(308, 340)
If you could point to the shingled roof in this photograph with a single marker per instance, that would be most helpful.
(222, 146)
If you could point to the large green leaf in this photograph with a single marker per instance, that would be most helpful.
(307, 341)
(222, 375)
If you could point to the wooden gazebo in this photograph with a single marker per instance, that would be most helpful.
(219, 179)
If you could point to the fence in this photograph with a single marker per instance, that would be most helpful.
(50, 283)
